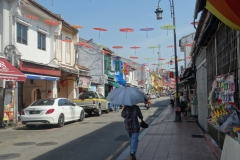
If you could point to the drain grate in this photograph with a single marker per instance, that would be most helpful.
(47, 144)
(122, 138)
(9, 156)
(24, 143)
(197, 136)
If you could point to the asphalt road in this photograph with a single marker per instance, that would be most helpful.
(96, 138)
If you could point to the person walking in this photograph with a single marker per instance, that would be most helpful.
(131, 115)
(182, 104)
(172, 100)
(116, 108)
(147, 101)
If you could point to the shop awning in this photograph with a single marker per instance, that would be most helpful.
(108, 74)
(10, 73)
(41, 77)
(227, 11)
(114, 84)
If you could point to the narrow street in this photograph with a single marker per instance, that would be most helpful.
(96, 138)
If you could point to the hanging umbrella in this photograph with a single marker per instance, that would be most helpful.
(161, 59)
(189, 57)
(126, 96)
(152, 47)
(145, 65)
(154, 64)
(171, 46)
(126, 30)
(76, 26)
(117, 47)
(100, 30)
(188, 44)
(30, 17)
(167, 27)
(146, 29)
(104, 52)
(67, 40)
(51, 22)
(135, 47)
(83, 43)
(133, 57)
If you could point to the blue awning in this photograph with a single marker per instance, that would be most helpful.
(42, 77)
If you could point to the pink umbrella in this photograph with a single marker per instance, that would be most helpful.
(133, 57)
(189, 57)
(100, 30)
(161, 59)
(146, 29)
(171, 46)
(126, 30)
(135, 47)
(117, 47)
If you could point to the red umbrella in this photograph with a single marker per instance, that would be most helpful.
(171, 46)
(133, 57)
(135, 47)
(117, 47)
(189, 57)
(100, 30)
(161, 59)
(51, 22)
(126, 30)
(104, 52)
(194, 23)
(145, 65)
(89, 47)
(67, 40)
(154, 64)
(30, 16)
(83, 43)
(188, 44)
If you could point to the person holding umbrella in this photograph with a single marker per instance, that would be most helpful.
(129, 97)
(131, 115)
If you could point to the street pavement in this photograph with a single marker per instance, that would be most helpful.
(96, 138)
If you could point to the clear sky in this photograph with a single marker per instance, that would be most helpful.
(136, 14)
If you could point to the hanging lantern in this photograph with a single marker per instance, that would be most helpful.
(63, 83)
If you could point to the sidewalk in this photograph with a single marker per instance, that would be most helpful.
(168, 140)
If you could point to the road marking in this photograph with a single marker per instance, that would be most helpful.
(111, 156)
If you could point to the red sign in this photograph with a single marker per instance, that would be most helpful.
(9, 72)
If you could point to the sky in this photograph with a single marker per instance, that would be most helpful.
(113, 15)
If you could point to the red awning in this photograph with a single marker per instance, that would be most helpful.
(10, 73)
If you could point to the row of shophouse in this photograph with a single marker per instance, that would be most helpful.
(215, 52)
(42, 56)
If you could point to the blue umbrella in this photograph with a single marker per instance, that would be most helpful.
(147, 29)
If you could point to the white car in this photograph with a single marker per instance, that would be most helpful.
(51, 111)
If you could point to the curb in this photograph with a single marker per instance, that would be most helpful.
(213, 145)
(125, 153)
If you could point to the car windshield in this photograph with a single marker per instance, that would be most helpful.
(87, 95)
(44, 102)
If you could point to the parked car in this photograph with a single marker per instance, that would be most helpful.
(51, 111)
(92, 102)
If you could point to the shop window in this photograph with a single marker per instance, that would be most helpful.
(68, 51)
(41, 41)
(22, 33)
(58, 47)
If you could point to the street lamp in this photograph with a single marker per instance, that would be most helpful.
(171, 62)
(159, 17)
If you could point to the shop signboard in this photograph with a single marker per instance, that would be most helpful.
(84, 82)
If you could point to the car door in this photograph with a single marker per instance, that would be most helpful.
(72, 109)
(64, 108)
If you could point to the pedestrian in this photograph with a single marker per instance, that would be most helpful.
(147, 101)
(111, 106)
(188, 108)
(172, 100)
(131, 115)
(116, 108)
(182, 104)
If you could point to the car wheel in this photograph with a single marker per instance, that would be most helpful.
(61, 121)
(82, 116)
(99, 113)
(107, 109)
(30, 126)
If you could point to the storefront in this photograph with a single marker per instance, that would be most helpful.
(9, 76)
(42, 82)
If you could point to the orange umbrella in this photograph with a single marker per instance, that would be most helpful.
(104, 52)
(67, 40)
(188, 44)
(83, 43)
(227, 11)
